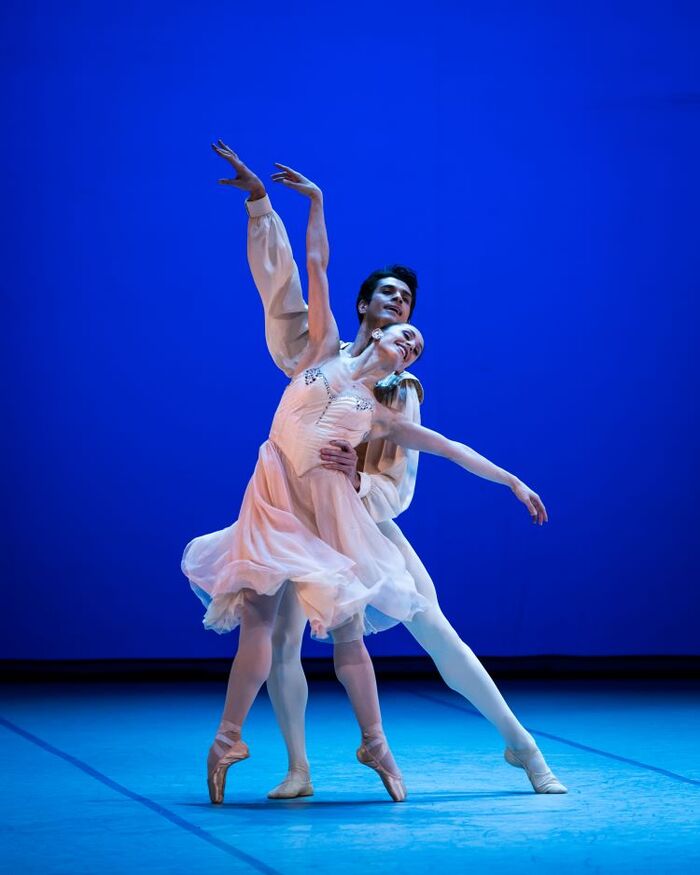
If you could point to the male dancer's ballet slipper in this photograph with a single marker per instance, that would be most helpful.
(393, 783)
(544, 780)
(297, 783)
(224, 752)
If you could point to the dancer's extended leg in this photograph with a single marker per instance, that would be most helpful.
(248, 673)
(288, 692)
(355, 671)
(461, 670)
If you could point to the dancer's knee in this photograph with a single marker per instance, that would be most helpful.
(432, 630)
(347, 655)
(439, 639)
(349, 647)
(286, 644)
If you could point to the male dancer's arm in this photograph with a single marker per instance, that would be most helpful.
(272, 265)
(276, 277)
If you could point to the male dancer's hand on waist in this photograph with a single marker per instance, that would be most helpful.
(341, 456)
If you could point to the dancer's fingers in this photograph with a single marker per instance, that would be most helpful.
(346, 446)
(340, 458)
(541, 510)
(294, 173)
(536, 505)
(228, 148)
(347, 452)
(531, 509)
(538, 509)
(228, 155)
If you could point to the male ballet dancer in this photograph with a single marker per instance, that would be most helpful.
(385, 483)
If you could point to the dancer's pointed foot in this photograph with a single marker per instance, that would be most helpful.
(541, 777)
(374, 752)
(227, 749)
(297, 783)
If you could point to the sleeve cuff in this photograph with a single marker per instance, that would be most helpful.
(259, 207)
(365, 484)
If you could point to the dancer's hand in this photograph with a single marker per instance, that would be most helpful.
(245, 179)
(341, 457)
(295, 180)
(532, 502)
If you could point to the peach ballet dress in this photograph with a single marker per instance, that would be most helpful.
(303, 523)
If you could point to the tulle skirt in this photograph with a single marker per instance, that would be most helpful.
(313, 531)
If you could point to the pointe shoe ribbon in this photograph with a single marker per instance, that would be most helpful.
(228, 751)
(394, 783)
(542, 782)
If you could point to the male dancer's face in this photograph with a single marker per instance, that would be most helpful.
(390, 303)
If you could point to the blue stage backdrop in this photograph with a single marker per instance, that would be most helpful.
(536, 163)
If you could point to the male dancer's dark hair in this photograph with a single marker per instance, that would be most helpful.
(400, 271)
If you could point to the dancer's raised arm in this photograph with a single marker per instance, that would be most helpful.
(400, 430)
(323, 331)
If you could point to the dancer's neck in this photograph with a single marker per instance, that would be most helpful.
(363, 338)
(369, 367)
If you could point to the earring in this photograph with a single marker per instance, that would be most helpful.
(377, 334)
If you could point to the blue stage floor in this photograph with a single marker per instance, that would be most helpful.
(101, 779)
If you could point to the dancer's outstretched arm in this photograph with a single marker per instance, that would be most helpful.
(324, 339)
(402, 431)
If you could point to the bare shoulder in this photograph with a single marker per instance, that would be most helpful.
(316, 355)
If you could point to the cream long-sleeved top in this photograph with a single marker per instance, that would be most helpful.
(388, 472)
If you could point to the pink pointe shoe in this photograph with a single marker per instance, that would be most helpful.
(223, 753)
(369, 756)
(543, 780)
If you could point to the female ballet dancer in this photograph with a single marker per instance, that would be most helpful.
(304, 526)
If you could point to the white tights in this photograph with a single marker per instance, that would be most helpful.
(266, 624)
(456, 662)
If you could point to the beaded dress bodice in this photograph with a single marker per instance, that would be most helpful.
(320, 405)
